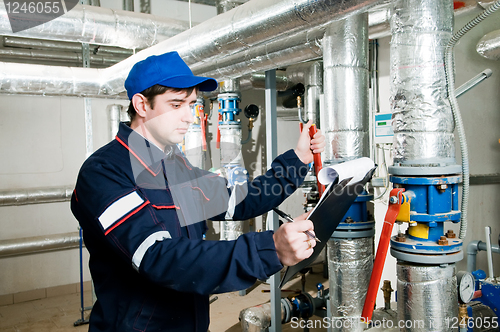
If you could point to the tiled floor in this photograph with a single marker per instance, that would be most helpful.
(58, 314)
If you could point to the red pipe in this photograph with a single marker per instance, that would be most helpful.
(383, 246)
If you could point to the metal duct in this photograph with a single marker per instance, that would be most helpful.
(349, 268)
(345, 118)
(35, 196)
(311, 75)
(23, 54)
(39, 244)
(489, 45)
(427, 297)
(244, 27)
(97, 25)
(422, 118)
(258, 80)
(62, 46)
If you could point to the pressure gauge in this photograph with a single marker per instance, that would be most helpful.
(466, 286)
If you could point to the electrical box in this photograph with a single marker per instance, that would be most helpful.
(383, 128)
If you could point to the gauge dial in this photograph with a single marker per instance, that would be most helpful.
(466, 286)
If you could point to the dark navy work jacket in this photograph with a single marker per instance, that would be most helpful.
(143, 218)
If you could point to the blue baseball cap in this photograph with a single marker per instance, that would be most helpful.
(168, 70)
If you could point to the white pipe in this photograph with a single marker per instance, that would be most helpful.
(38, 244)
(487, 231)
(35, 196)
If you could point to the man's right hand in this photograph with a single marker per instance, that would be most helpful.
(292, 244)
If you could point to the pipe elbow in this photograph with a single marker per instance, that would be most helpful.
(473, 247)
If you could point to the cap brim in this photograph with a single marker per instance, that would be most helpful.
(183, 82)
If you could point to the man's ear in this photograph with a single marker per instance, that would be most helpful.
(141, 104)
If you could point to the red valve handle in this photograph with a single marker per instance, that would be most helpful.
(203, 125)
(383, 246)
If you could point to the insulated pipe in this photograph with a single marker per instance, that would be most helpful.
(103, 26)
(62, 46)
(35, 196)
(38, 244)
(489, 45)
(345, 61)
(422, 117)
(427, 297)
(18, 54)
(472, 248)
(242, 28)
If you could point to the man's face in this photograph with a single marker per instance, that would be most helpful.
(169, 121)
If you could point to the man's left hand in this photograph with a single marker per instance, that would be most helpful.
(307, 146)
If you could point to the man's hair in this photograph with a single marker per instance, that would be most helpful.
(152, 92)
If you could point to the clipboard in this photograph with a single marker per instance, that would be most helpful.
(326, 216)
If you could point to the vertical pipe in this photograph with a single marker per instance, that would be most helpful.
(422, 117)
(345, 119)
(345, 62)
(427, 297)
(128, 5)
(272, 218)
(350, 263)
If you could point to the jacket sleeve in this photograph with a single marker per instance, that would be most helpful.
(118, 217)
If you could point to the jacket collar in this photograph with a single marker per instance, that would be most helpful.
(145, 152)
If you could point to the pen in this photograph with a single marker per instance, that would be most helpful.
(290, 219)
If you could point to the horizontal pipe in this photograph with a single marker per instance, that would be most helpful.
(242, 28)
(35, 196)
(39, 244)
(52, 45)
(472, 248)
(102, 26)
(67, 57)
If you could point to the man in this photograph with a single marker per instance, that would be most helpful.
(142, 208)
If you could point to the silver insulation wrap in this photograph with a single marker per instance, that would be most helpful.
(230, 229)
(350, 265)
(193, 148)
(427, 298)
(252, 24)
(422, 118)
(345, 63)
(230, 145)
(35, 196)
(258, 318)
(489, 45)
(102, 26)
(39, 244)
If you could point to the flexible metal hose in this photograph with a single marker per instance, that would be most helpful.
(450, 78)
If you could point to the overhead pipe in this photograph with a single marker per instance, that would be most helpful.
(242, 28)
(39, 244)
(102, 26)
(52, 45)
(43, 55)
(35, 196)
